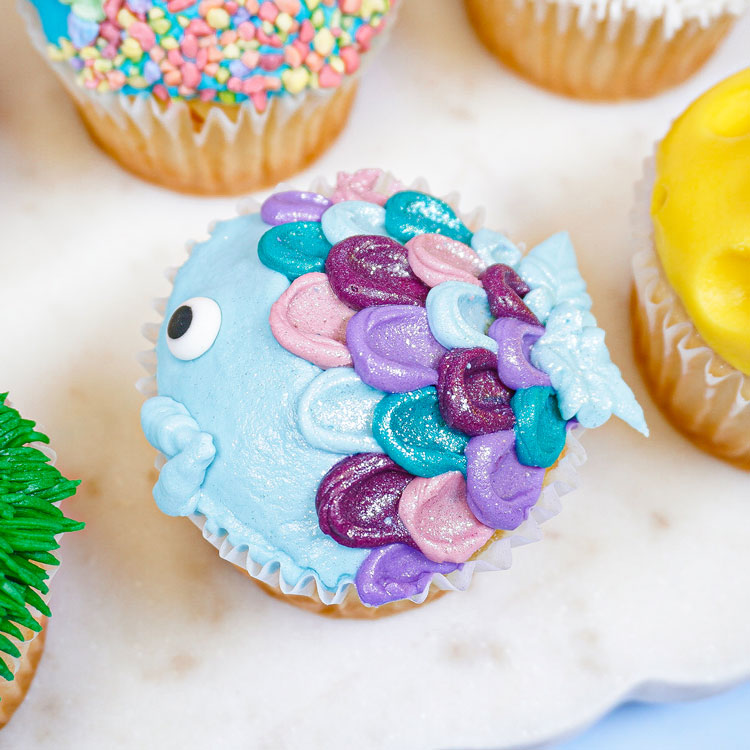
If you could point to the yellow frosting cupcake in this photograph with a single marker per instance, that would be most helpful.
(692, 291)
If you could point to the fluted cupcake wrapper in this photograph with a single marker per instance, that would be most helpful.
(559, 480)
(210, 148)
(23, 668)
(700, 392)
(601, 50)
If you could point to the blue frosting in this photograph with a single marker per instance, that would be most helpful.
(493, 247)
(243, 392)
(551, 271)
(167, 424)
(350, 218)
(459, 315)
(53, 16)
(589, 385)
(336, 410)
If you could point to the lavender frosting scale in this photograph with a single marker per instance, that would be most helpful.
(395, 572)
(515, 338)
(293, 205)
(500, 490)
(393, 348)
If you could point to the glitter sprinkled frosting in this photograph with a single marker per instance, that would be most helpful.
(390, 404)
(229, 51)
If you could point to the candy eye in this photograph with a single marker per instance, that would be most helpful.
(193, 328)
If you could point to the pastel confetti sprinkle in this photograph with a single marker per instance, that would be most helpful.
(229, 51)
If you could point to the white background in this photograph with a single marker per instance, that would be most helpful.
(156, 642)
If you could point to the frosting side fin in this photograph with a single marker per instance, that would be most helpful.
(169, 427)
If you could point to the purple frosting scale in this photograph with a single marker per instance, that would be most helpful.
(505, 289)
(393, 348)
(357, 501)
(471, 396)
(396, 572)
(293, 205)
(514, 340)
(500, 490)
(370, 269)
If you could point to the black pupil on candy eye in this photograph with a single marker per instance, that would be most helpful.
(180, 321)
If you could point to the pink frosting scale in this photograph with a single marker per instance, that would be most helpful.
(309, 320)
(438, 518)
(435, 258)
(365, 185)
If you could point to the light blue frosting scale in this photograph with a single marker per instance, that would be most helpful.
(243, 391)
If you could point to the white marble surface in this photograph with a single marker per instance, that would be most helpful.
(643, 581)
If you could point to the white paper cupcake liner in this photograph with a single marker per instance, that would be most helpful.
(604, 49)
(702, 393)
(559, 480)
(24, 669)
(670, 15)
(211, 148)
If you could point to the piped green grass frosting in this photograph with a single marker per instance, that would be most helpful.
(29, 522)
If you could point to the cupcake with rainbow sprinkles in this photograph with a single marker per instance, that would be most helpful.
(210, 96)
(363, 398)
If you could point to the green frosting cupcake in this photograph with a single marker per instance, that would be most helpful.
(30, 489)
